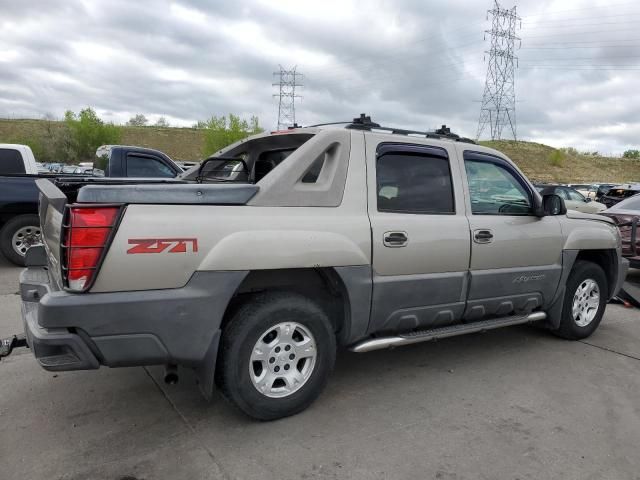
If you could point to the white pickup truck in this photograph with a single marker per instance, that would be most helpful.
(17, 159)
(254, 267)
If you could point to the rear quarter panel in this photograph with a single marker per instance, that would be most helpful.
(241, 237)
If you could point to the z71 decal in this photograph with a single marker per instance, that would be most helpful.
(159, 245)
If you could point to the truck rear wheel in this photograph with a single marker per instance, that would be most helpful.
(584, 301)
(18, 235)
(276, 355)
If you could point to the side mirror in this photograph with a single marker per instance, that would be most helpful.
(553, 205)
(588, 199)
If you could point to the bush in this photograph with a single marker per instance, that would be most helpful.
(556, 158)
(631, 154)
(572, 152)
(219, 132)
(88, 132)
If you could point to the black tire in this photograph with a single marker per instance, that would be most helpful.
(581, 272)
(244, 329)
(6, 235)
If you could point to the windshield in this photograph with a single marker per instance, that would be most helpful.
(622, 193)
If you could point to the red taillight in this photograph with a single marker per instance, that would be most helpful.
(93, 217)
(88, 231)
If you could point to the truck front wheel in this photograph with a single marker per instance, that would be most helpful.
(584, 302)
(276, 355)
(18, 235)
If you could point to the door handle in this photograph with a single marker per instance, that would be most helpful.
(482, 236)
(395, 239)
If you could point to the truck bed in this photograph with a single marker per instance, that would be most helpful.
(154, 190)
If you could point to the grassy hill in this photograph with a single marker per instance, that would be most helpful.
(543, 163)
(178, 143)
(539, 162)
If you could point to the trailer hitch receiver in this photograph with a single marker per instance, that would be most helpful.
(8, 344)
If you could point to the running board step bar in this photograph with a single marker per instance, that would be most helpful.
(443, 332)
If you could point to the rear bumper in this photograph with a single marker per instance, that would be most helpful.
(56, 349)
(68, 331)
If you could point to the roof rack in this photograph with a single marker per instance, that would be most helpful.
(364, 122)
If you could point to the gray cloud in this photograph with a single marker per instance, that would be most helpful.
(407, 62)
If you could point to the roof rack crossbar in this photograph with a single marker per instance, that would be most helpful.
(364, 122)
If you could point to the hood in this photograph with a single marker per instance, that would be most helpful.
(589, 216)
(621, 212)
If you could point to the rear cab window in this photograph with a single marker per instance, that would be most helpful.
(260, 156)
(147, 166)
(11, 162)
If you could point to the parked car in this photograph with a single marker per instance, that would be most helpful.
(585, 189)
(69, 169)
(362, 237)
(602, 190)
(19, 223)
(573, 199)
(627, 213)
(619, 193)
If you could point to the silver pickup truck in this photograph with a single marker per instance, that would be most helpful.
(255, 266)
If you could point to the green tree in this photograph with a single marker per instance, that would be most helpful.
(220, 131)
(631, 154)
(88, 132)
(138, 121)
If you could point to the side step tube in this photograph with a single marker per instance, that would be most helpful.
(443, 332)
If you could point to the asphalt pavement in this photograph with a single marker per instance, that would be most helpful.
(515, 403)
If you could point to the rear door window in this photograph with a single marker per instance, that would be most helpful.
(414, 183)
(11, 161)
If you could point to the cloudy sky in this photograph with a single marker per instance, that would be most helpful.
(411, 63)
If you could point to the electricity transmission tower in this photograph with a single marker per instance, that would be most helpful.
(499, 99)
(287, 81)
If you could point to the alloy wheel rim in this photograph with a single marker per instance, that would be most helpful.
(24, 238)
(586, 302)
(282, 360)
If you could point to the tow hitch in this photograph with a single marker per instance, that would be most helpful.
(8, 344)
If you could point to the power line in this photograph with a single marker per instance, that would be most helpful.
(578, 19)
(576, 25)
(499, 99)
(580, 33)
(287, 81)
(591, 8)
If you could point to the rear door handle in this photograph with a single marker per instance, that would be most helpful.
(482, 236)
(395, 239)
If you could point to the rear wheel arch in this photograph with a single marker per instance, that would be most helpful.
(323, 286)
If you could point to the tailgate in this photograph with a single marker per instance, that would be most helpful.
(51, 212)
